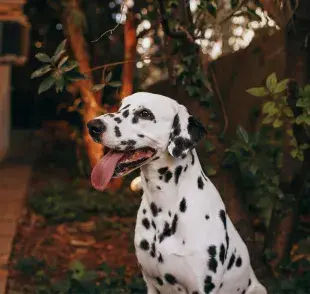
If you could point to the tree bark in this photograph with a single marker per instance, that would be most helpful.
(91, 104)
(130, 45)
(292, 174)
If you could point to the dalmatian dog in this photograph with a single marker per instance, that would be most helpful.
(185, 241)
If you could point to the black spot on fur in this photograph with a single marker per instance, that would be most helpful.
(146, 223)
(223, 218)
(174, 224)
(170, 279)
(183, 205)
(125, 113)
(177, 173)
(207, 217)
(159, 210)
(209, 286)
(144, 244)
(144, 211)
(179, 289)
(169, 213)
(153, 250)
(165, 233)
(167, 176)
(221, 285)
(163, 170)
(140, 135)
(250, 282)
(183, 242)
(227, 244)
(117, 132)
(153, 225)
(231, 261)
(157, 157)
(158, 188)
(159, 281)
(110, 114)
(222, 253)
(200, 183)
(185, 169)
(125, 106)
(129, 143)
(181, 145)
(243, 292)
(176, 127)
(193, 158)
(154, 209)
(195, 292)
(239, 262)
(160, 258)
(212, 264)
(118, 120)
(157, 291)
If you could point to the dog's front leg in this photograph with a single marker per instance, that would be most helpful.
(150, 286)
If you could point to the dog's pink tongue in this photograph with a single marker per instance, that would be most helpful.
(104, 169)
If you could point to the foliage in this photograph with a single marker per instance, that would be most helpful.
(63, 202)
(63, 72)
(78, 279)
(304, 103)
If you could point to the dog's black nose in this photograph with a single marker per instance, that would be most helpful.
(96, 127)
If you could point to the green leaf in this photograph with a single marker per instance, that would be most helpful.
(70, 66)
(288, 111)
(258, 91)
(242, 134)
(60, 84)
(210, 171)
(78, 269)
(115, 84)
(75, 76)
(277, 123)
(43, 57)
(269, 107)
(41, 71)
(61, 48)
(281, 86)
(108, 77)
(294, 153)
(271, 82)
(267, 120)
(98, 87)
(63, 61)
(253, 168)
(303, 102)
(303, 119)
(46, 84)
(209, 146)
(304, 146)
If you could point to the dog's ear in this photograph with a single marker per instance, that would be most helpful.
(185, 133)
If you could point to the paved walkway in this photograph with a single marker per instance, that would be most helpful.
(15, 174)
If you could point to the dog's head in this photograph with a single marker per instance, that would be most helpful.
(146, 126)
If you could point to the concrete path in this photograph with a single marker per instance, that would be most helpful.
(15, 174)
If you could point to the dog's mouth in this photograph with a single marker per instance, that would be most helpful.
(117, 164)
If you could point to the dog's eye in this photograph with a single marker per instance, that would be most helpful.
(145, 114)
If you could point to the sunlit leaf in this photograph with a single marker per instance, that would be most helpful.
(61, 47)
(210, 171)
(43, 57)
(98, 87)
(70, 66)
(258, 91)
(108, 77)
(277, 123)
(288, 112)
(271, 82)
(63, 61)
(281, 86)
(41, 71)
(115, 84)
(46, 84)
(242, 134)
(60, 84)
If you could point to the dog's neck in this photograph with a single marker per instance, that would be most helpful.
(163, 179)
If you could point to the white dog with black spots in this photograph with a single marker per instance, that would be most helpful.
(185, 241)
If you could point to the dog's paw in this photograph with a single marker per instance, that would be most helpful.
(136, 184)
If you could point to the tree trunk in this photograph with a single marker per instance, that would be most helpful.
(91, 105)
(130, 45)
(297, 68)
